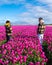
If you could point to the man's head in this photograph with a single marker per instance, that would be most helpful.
(7, 23)
(41, 20)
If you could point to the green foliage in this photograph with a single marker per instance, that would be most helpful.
(2, 42)
(48, 53)
(10, 63)
(0, 55)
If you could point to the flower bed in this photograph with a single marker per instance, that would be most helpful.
(24, 47)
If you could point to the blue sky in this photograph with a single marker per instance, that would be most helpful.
(25, 11)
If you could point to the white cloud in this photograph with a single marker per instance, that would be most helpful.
(11, 2)
(45, 1)
(33, 13)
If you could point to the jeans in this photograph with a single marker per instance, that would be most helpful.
(8, 37)
(40, 36)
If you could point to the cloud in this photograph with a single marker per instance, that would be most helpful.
(46, 1)
(33, 13)
(11, 2)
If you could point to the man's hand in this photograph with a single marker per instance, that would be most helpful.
(10, 28)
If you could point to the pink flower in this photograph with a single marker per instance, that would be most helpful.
(4, 51)
(37, 63)
(31, 63)
(0, 60)
(25, 58)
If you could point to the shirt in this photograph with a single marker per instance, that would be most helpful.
(41, 28)
(8, 30)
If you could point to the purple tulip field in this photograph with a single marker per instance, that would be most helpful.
(24, 47)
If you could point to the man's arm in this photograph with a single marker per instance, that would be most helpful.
(44, 26)
(11, 30)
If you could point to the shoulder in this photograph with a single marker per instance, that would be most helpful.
(44, 25)
(39, 25)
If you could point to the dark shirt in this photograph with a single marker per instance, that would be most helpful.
(41, 28)
(8, 31)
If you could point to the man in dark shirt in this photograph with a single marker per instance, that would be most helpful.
(8, 30)
(40, 30)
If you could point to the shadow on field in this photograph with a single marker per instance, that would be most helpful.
(48, 54)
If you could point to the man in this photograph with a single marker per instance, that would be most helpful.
(8, 30)
(40, 30)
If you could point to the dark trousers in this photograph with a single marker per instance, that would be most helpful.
(8, 37)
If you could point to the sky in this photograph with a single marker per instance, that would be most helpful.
(25, 12)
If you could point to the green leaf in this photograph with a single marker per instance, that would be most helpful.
(10, 63)
(0, 55)
(24, 63)
(45, 63)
